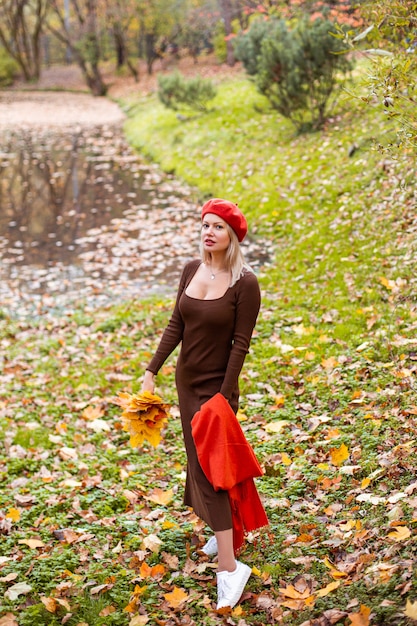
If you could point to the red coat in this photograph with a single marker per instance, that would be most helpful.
(229, 463)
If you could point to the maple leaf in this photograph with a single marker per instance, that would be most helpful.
(339, 455)
(291, 592)
(108, 610)
(156, 571)
(144, 416)
(152, 543)
(361, 618)
(401, 533)
(159, 496)
(411, 610)
(13, 514)
(92, 413)
(330, 363)
(50, 604)
(176, 598)
(135, 599)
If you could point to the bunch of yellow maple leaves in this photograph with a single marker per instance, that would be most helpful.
(144, 415)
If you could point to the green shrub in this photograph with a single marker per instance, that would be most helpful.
(299, 70)
(8, 69)
(176, 92)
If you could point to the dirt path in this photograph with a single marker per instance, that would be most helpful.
(42, 109)
(60, 97)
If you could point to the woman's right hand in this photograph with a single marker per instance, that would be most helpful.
(148, 383)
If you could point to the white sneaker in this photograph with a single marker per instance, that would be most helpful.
(230, 585)
(210, 548)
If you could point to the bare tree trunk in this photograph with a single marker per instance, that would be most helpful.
(21, 27)
(84, 44)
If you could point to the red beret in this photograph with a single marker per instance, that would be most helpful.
(229, 212)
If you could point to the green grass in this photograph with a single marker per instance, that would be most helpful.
(331, 367)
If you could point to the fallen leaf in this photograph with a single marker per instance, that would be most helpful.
(139, 620)
(8, 620)
(361, 618)
(50, 604)
(401, 533)
(99, 426)
(32, 543)
(276, 427)
(176, 598)
(108, 610)
(17, 590)
(152, 543)
(411, 609)
(339, 455)
(9, 577)
(291, 592)
(92, 413)
(328, 589)
(334, 572)
(159, 496)
(13, 514)
(330, 363)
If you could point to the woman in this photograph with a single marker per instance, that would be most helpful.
(216, 308)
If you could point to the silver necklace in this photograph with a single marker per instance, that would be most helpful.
(213, 275)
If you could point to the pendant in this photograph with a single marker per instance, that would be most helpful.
(213, 276)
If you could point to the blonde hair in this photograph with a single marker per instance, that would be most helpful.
(235, 261)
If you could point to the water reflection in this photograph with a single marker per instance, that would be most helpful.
(83, 219)
(54, 189)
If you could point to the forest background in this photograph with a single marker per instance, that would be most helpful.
(93, 532)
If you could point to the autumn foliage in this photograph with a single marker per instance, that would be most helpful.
(144, 415)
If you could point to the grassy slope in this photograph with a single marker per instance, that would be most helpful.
(328, 390)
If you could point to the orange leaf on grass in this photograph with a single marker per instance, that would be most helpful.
(156, 571)
(291, 592)
(176, 598)
(361, 618)
(339, 455)
(401, 533)
(328, 589)
(13, 514)
(92, 413)
(334, 572)
(50, 604)
(159, 496)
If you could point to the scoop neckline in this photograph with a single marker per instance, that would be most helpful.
(202, 299)
(206, 299)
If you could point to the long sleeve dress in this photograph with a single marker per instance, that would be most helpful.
(215, 337)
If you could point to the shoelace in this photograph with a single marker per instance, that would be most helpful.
(222, 588)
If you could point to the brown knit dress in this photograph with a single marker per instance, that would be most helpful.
(215, 336)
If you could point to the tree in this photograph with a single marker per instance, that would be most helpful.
(390, 42)
(299, 69)
(226, 10)
(119, 15)
(21, 26)
(159, 23)
(81, 34)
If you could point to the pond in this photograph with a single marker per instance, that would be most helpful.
(84, 220)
